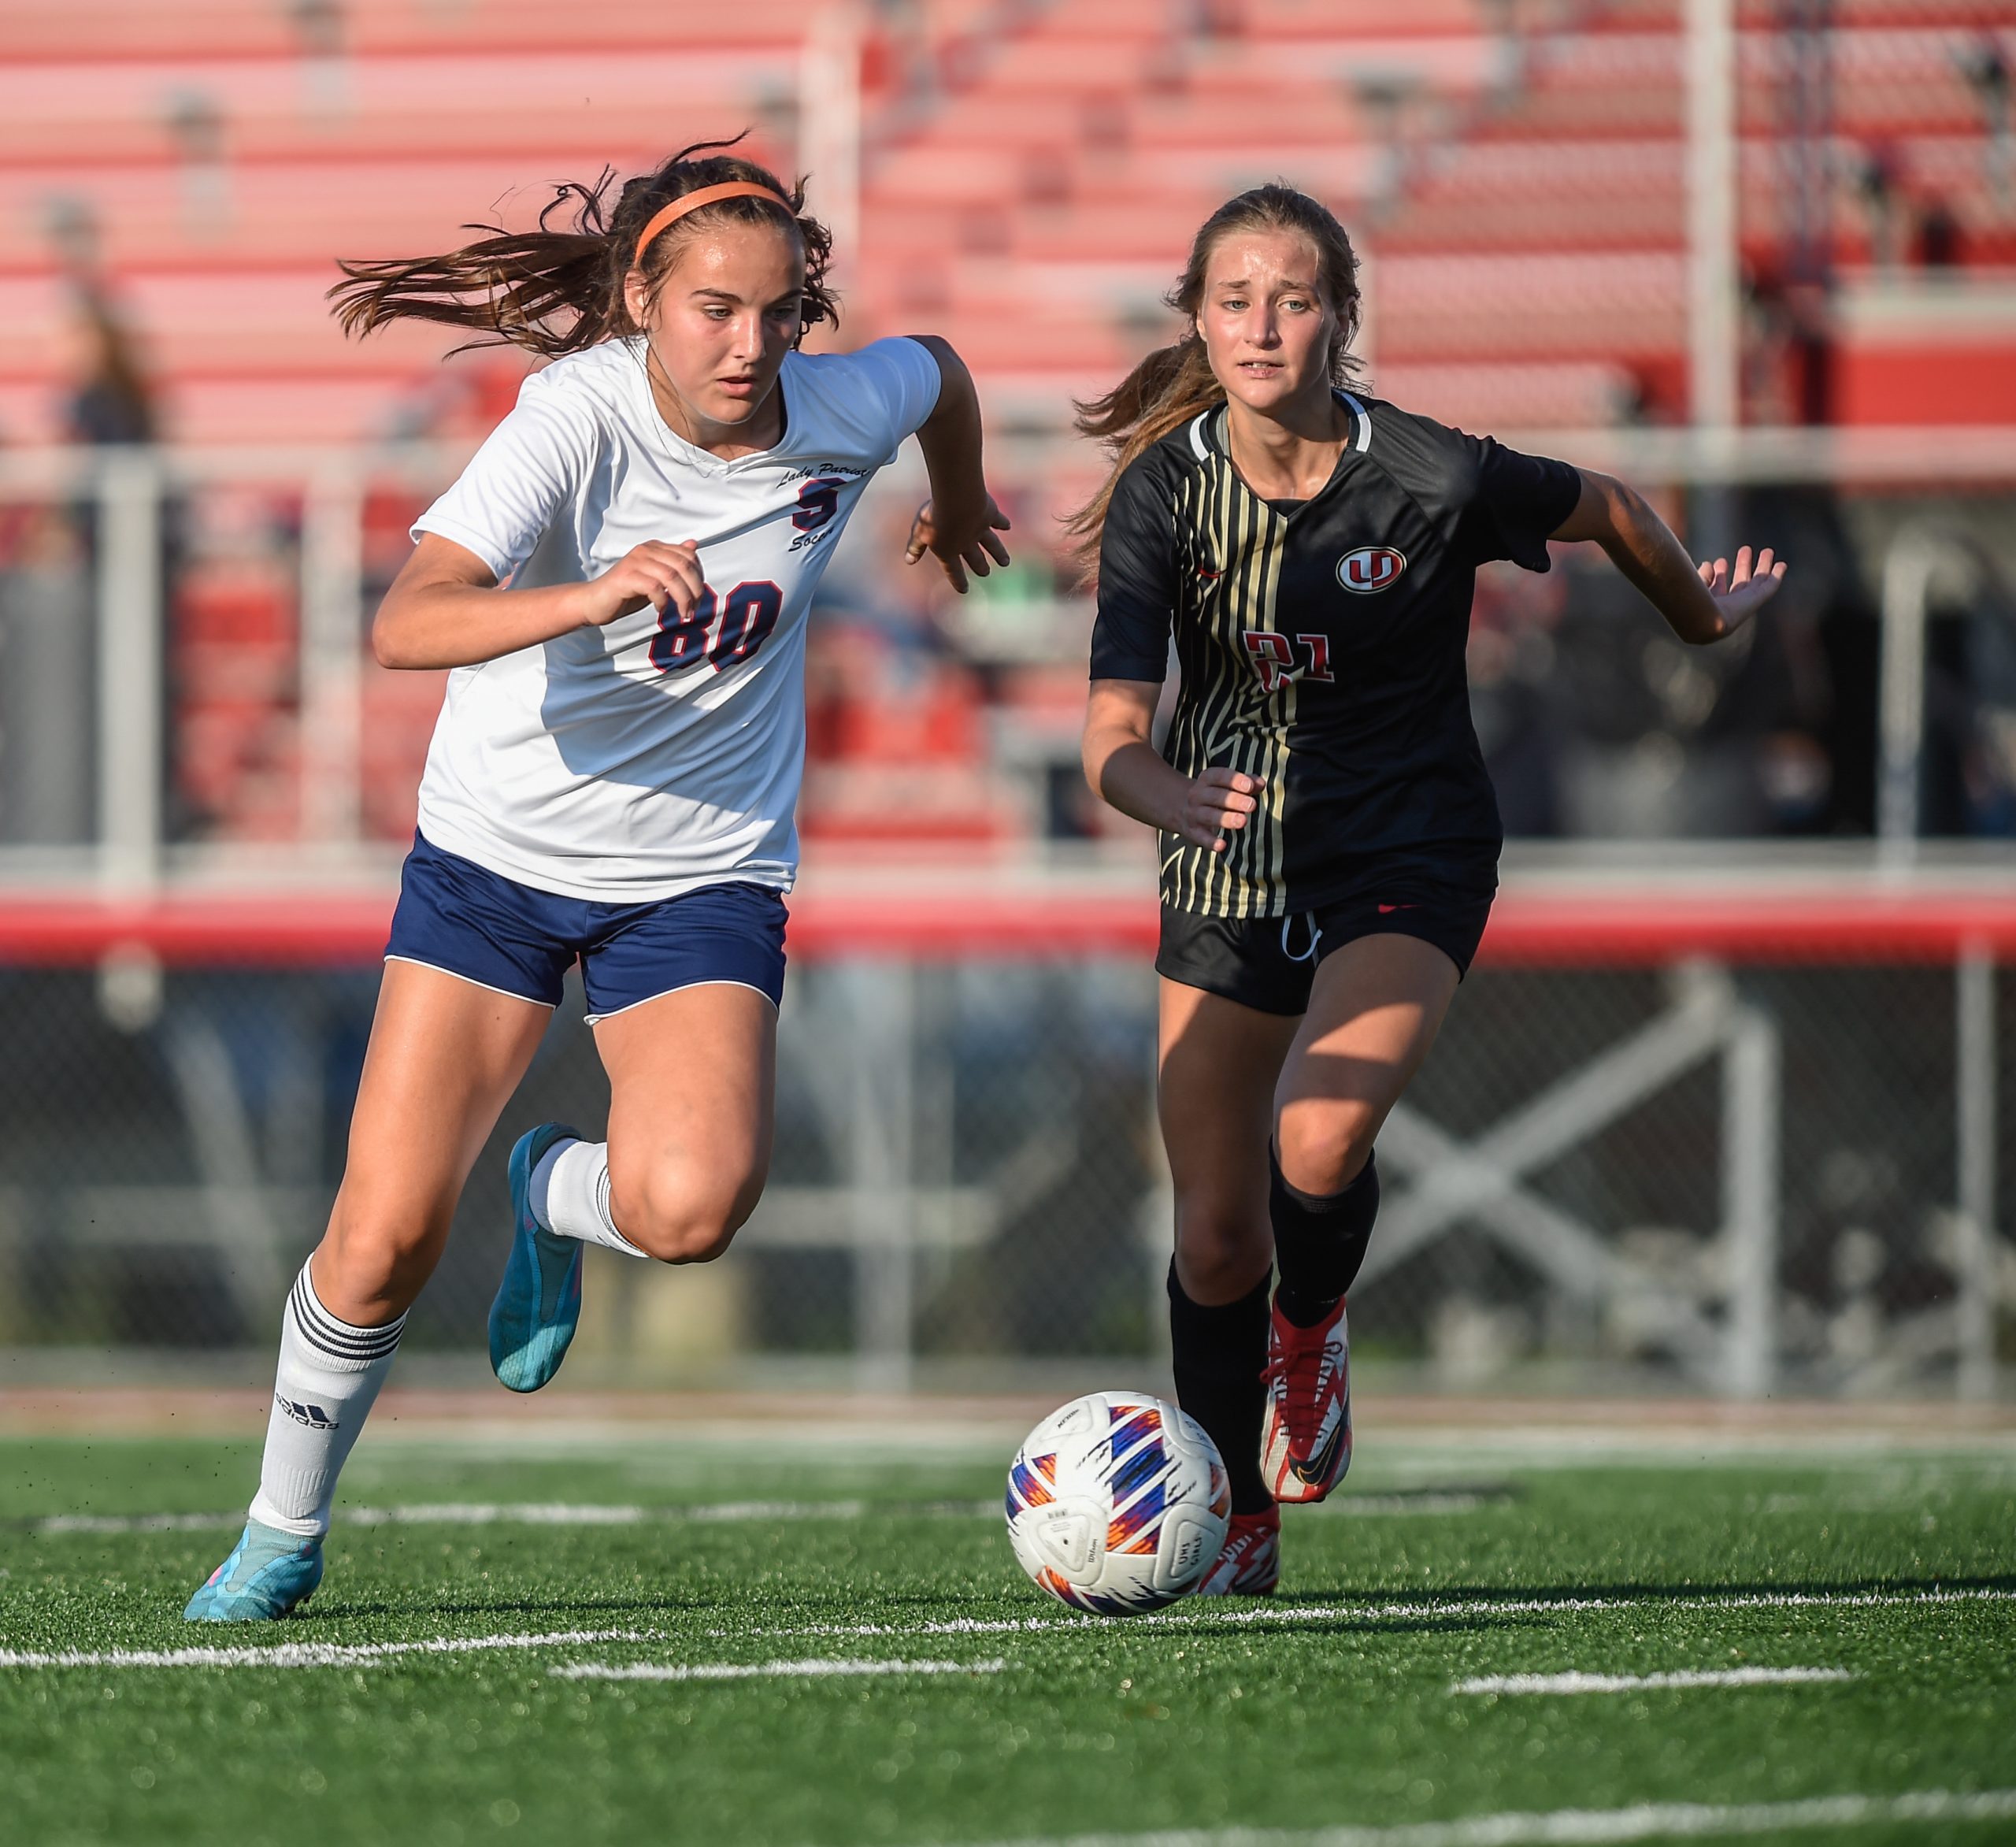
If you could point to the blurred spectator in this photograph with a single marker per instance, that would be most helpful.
(1788, 350)
(195, 124)
(48, 640)
(1596, 722)
(1514, 700)
(897, 63)
(1968, 785)
(1939, 236)
(320, 26)
(1879, 181)
(1985, 66)
(47, 637)
(109, 400)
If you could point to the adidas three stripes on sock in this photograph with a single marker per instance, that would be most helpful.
(328, 1378)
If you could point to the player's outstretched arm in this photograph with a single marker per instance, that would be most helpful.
(1701, 603)
(1126, 771)
(958, 523)
(444, 609)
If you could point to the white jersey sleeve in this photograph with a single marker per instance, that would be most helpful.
(535, 463)
(891, 387)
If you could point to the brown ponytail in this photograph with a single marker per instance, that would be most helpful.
(554, 292)
(1175, 382)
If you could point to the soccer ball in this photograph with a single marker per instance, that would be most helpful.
(1118, 1504)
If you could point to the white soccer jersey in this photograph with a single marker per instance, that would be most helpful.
(654, 756)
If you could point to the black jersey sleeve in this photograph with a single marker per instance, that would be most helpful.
(1519, 500)
(1137, 578)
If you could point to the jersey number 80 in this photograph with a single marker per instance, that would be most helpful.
(746, 616)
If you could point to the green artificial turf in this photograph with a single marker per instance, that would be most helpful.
(1215, 1718)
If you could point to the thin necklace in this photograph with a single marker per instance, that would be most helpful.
(719, 463)
(663, 423)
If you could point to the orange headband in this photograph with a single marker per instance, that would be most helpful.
(706, 195)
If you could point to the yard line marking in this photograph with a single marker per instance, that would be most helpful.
(950, 1625)
(535, 1513)
(1588, 1827)
(765, 1670)
(1625, 1683)
(1182, 1617)
(541, 1513)
(314, 1654)
(1767, 1600)
(1456, 1501)
(136, 1522)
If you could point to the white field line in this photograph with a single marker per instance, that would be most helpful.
(1185, 1616)
(531, 1513)
(1590, 1827)
(1456, 1501)
(542, 1513)
(1625, 1683)
(314, 1654)
(815, 1670)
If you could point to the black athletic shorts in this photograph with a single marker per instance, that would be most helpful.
(1269, 963)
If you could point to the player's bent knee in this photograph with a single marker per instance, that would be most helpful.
(368, 1267)
(1221, 1255)
(1324, 1143)
(679, 1217)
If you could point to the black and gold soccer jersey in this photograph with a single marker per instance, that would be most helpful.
(1321, 649)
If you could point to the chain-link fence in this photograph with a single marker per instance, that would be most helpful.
(1776, 1175)
(1696, 1177)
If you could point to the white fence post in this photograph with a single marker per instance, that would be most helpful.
(1907, 571)
(331, 664)
(1750, 1152)
(1974, 1087)
(130, 688)
(1713, 322)
(829, 121)
(884, 1206)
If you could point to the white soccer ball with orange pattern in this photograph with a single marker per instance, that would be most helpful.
(1118, 1504)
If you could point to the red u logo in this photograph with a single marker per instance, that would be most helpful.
(1371, 567)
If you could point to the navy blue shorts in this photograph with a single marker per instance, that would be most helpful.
(453, 914)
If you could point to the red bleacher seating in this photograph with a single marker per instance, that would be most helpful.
(1081, 139)
(1031, 200)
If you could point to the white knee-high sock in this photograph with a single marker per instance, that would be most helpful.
(328, 1379)
(570, 1196)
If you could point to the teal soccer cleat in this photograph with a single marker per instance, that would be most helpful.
(267, 1573)
(540, 1300)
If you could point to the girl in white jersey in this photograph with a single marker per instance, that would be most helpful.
(619, 581)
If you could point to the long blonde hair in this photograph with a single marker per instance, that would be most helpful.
(1175, 383)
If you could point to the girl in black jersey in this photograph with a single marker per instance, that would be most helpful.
(1329, 838)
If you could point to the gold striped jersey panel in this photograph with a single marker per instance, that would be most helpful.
(1231, 711)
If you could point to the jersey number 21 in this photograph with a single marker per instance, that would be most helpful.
(1274, 658)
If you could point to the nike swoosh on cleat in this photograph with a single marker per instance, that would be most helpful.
(1311, 1473)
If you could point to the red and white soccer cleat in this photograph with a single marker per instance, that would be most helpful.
(1306, 1445)
(1251, 1564)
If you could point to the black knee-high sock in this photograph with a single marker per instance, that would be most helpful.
(1218, 1354)
(1319, 1241)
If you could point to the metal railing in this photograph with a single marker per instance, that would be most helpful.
(126, 498)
